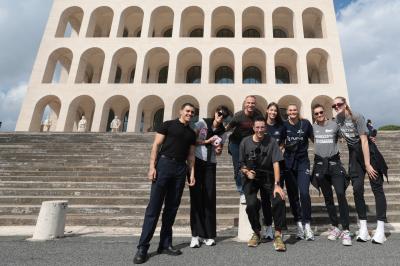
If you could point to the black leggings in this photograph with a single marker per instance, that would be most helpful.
(357, 173)
(336, 179)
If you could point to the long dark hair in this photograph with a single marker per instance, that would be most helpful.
(278, 118)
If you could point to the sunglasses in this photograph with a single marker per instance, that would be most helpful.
(219, 113)
(337, 105)
(319, 113)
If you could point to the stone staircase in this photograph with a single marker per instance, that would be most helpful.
(103, 177)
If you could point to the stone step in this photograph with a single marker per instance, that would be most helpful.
(144, 199)
(121, 210)
(221, 184)
(181, 220)
(106, 178)
(141, 190)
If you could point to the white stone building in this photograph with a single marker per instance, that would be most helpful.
(141, 60)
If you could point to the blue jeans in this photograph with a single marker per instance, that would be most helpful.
(234, 150)
(168, 188)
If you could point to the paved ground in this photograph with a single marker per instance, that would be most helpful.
(78, 250)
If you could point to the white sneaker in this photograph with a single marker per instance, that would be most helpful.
(363, 235)
(346, 238)
(379, 236)
(269, 233)
(334, 233)
(209, 242)
(242, 199)
(300, 231)
(308, 233)
(195, 243)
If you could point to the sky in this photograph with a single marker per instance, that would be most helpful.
(369, 33)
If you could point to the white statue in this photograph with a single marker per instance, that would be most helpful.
(82, 124)
(46, 125)
(115, 124)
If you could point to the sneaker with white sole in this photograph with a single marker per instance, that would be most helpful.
(269, 233)
(209, 242)
(346, 238)
(363, 236)
(334, 233)
(254, 240)
(308, 233)
(300, 231)
(195, 243)
(242, 199)
(379, 236)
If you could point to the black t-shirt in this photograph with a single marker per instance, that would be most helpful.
(278, 132)
(300, 133)
(243, 125)
(178, 139)
(266, 152)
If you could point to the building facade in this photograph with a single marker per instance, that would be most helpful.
(141, 60)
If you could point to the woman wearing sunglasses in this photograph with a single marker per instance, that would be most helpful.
(297, 170)
(277, 131)
(210, 138)
(328, 171)
(364, 158)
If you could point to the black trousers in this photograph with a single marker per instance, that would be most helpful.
(168, 188)
(336, 178)
(266, 188)
(203, 207)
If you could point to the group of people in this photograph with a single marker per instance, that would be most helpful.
(268, 154)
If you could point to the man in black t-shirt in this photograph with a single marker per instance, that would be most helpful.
(242, 125)
(259, 157)
(168, 169)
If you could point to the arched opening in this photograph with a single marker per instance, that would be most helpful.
(192, 22)
(70, 22)
(45, 114)
(150, 114)
(100, 22)
(261, 104)
(222, 66)
(182, 100)
(161, 21)
(188, 68)
(285, 66)
(254, 66)
(318, 66)
(81, 106)
(117, 105)
(58, 66)
(123, 66)
(163, 75)
(90, 66)
(326, 102)
(253, 23)
(284, 103)
(131, 21)
(282, 21)
(221, 100)
(156, 65)
(313, 23)
(223, 22)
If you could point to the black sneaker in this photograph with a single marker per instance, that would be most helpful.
(140, 257)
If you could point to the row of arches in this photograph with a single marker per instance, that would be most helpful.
(188, 66)
(149, 114)
(191, 22)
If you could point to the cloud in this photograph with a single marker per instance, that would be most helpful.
(21, 28)
(370, 38)
(10, 105)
